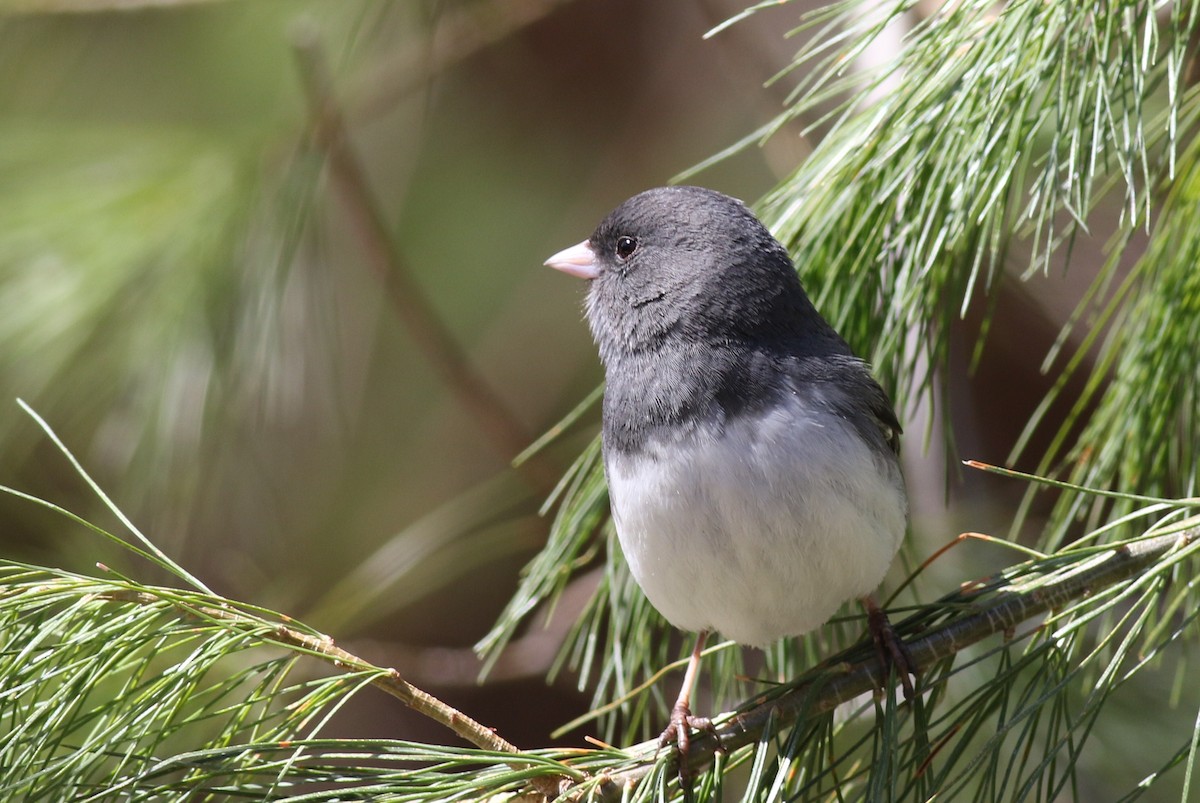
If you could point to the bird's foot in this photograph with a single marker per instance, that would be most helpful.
(890, 649)
(679, 732)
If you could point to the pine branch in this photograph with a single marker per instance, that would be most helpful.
(65, 642)
(323, 647)
(388, 680)
(243, 624)
(995, 605)
(47, 617)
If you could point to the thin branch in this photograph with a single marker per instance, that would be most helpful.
(827, 687)
(388, 680)
(324, 647)
(430, 334)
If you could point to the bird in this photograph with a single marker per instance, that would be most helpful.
(752, 460)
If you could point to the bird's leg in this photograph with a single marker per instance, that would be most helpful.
(682, 721)
(888, 646)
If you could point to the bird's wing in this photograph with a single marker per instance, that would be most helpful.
(854, 394)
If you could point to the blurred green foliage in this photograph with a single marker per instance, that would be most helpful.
(185, 299)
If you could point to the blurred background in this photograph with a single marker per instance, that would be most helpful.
(192, 294)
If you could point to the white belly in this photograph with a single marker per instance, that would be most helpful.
(760, 532)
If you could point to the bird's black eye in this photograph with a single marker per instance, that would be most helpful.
(625, 247)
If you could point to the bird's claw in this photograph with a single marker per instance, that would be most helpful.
(891, 650)
(679, 733)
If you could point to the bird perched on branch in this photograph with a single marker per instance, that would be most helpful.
(752, 460)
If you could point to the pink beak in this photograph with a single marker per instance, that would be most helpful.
(578, 260)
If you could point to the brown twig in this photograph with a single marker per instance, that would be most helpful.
(387, 680)
(431, 336)
(324, 647)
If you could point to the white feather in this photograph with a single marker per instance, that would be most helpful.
(761, 531)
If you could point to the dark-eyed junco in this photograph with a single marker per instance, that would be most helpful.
(751, 458)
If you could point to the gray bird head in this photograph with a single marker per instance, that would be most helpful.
(688, 264)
